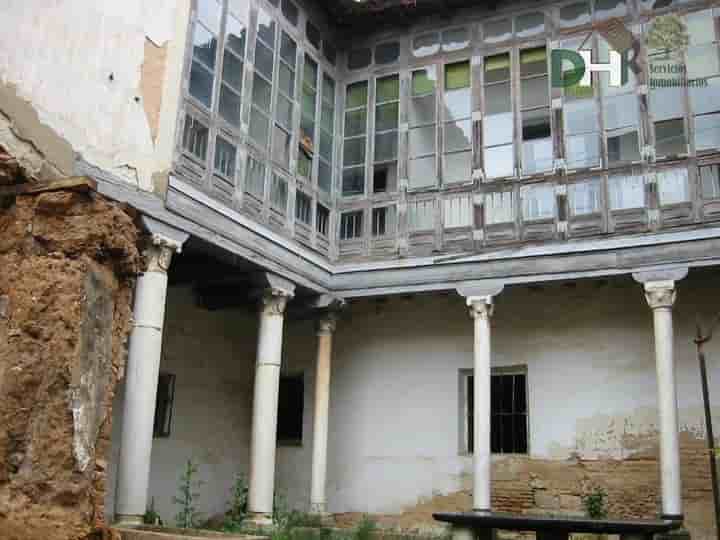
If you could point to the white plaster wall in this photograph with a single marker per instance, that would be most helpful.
(59, 55)
(394, 428)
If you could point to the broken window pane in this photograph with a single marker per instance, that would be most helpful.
(584, 197)
(497, 31)
(359, 58)
(538, 201)
(626, 192)
(673, 186)
(387, 53)
(426, 44)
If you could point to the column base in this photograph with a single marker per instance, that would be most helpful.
(258, 520)
(127, 520)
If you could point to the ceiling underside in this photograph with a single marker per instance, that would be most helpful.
(359, 17)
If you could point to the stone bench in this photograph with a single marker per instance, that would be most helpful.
(481, 525)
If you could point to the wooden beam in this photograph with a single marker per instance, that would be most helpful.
(73, 183)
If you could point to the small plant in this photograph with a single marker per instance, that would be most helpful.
(188, 516)
(151, 517)
(365, 528)
(595, 503)
(238, 505)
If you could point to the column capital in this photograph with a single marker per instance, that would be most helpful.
(479, 296)
(273, 301)
(159, 256)
(660, 294)
(481, 307)
(329, 313)
(164, 242)
(327, 323)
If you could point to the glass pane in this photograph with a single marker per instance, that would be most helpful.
(283, 112)
(670, 138)
(312, 33)
(288, 50)
(700, 27)
(498, 129)
(621, 111)
(259, 128)
(308, 103)
(235, 35)
(304, 164)
(359, 58)
(281, 147)
(499, 161)
(426, 44)
(455, 39)
(497, 31)
(422, 172)
(209, 11)
(195, 137)
(279, 193)
(536, 124)
(537, 156)
(580, 116)
(422, 110)
(386, 116)
(583, 151)
(420, 215)
(255, 179)
(666, 103)
(538, 202)
(264, 61)
(386, 146)
(324, 176)
(626, 192)
(201, 84)
(356, 95)
(498, 98)
(422, 141)
(229, 107)
(423, 81)
(355, 123)
(232, 70)
(458, 167)
(326, 146)
(290, 11)
(353, 181)
(387, 53)
(529, 24)
(535, 92)
(327, 118)
(328, 89)
(705, 99)
(499, 207)
(457, 104)
(287, 80)
(584, 197)
(457, 75)
(387, 89)
(497, 68)
(204, 46)
(266, 28)
(307, 128)
(575, 14)
(533, 62)
(610, 8)
(624, 147)
(354, 152)
(707, 131)
(261, 93)
(310, 73)
(673, 186)
(458, 135)
(330, 52)
(710, 179)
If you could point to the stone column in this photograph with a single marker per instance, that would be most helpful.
(318, 499)
(265, 402)
(660, 296)
(479, 297)
(141, 380)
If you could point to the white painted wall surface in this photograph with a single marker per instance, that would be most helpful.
(59, 55)
(394, 426)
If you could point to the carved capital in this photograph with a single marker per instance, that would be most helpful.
(480, 307)
(327, 323)
(159, 257)
(274, 301)
(660, 294)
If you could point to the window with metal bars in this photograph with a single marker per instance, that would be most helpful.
(508, 411)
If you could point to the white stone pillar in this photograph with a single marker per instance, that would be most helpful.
(481, 310)
(141, 380)
(318, 499)
(265, 404)
(660, 296)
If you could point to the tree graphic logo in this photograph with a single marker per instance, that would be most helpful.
(667, 33)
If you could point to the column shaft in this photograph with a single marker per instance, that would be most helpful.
(141, 381)
(265, 406)
(318, 500)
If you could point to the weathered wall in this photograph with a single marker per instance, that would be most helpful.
(67, 261)
(98, 79)
(394, 426)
